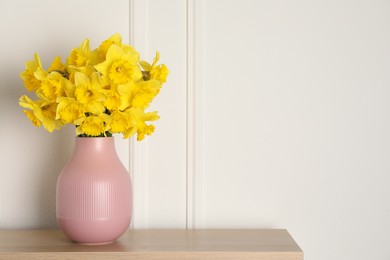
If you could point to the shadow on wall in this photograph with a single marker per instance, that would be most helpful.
(34, 156)
(59, 151)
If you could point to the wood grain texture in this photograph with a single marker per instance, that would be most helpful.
(261, 244)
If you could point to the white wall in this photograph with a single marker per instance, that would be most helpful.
(296, 122)
(275, 115)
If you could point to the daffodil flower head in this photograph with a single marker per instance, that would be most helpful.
(154, 71)
(144, 92)
(114, 39)
(57, 65)
(79, 56)
(121, 65)
(41, 113)
(93, 125)
(30, 81)
(89, 93)
(138, 123)
(52, 87)
(69, 110)
(120, 121)
(114, 101)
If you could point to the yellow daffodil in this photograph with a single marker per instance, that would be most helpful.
(138, 123)
(69, 110)
(30, 81)
(87, 70)
(103, 48)
(80, 56)
(140, 94)
(145, 92)
(157, 72)
(89, 93)
(53, 86)
(43, 113)
(30, 115)
(120, 121)
(93, 125)
(114, 100)
(160, 73)
(121, 65)
(57, 65)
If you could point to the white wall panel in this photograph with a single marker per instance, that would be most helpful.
(296, 122)
(31, 158)
(160, 162)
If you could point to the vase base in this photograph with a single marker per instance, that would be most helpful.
(94, 244)
(93, 231)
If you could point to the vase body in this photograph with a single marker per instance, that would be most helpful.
(94, 193)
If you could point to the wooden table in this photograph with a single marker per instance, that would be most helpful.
(172, 244)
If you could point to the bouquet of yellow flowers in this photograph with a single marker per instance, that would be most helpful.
(101, 91)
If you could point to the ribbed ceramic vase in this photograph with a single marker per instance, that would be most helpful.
(94, 193)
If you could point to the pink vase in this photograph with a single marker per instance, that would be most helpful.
(94, 194)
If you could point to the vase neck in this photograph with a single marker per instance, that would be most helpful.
(85, 146)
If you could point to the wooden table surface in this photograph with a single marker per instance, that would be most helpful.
(172, 244)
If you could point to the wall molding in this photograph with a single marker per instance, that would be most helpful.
(138, 20)
(194, 207)
(139, 150)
